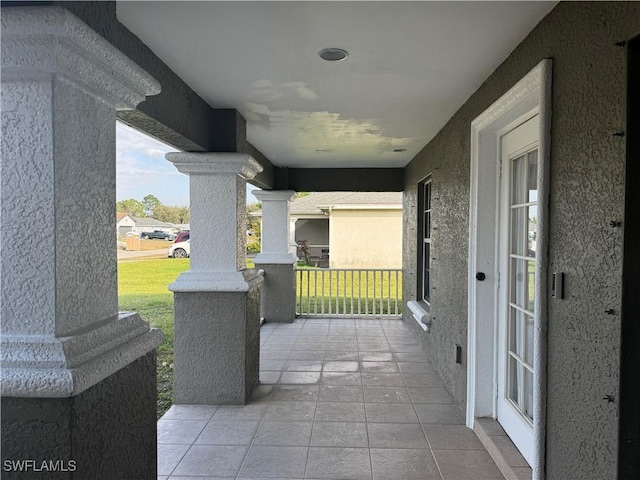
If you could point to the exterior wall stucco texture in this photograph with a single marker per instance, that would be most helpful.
(113, 420)
(278, 299)
(365, 239)
(587, 192)
(62, 238)
(217, 346)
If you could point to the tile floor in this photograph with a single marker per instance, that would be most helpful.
(339, 399)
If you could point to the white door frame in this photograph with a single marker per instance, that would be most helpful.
(531, 93)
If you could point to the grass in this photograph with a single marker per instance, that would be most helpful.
(142, 288)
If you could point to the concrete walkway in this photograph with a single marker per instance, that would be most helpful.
(339, 399)
(132, 255)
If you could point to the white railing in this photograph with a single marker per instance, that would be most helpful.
(352, 293)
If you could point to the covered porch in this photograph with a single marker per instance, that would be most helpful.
(338, 399)
(258, 92)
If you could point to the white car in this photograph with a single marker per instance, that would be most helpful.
(179, 250)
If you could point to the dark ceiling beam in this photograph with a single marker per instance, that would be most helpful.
(177, 116)
(339, 179)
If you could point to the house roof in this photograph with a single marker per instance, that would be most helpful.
(314, 203)
(150, 222)
(121, 215)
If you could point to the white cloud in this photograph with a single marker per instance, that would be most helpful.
(142, 169)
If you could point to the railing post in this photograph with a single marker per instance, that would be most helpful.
(279, 290)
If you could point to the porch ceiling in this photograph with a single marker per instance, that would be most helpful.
(411, 65)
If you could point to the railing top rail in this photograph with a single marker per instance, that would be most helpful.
(349, 269)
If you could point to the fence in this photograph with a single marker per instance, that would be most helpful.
(351, 293)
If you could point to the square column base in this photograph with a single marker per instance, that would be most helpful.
(278, 302)
(106, 432)
(216, 346)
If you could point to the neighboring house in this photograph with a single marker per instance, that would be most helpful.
(124, 224)
(127, 223)
(352, 229)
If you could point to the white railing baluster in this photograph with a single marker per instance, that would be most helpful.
(373, 298)
(352, 292)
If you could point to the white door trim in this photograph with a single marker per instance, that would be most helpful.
(531, 93)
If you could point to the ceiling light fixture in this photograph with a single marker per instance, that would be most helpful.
(333, 54)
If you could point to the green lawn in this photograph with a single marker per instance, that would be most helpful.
(142, 288)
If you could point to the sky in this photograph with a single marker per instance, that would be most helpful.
(141, 169)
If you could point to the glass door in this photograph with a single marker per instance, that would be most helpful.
(516, 291)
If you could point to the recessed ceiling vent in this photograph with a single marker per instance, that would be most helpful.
(333, 54)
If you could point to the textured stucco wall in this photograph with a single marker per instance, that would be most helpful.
(587, 184)
(109, 430)
(85, 181)
(366, 239)
(278, 302)
(217, 346)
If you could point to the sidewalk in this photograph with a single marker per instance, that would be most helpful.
(132, 255)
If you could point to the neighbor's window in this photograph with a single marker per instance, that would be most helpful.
(424, 239)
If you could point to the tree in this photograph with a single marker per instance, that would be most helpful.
(150, 203)
(166, 213)
(254, 228)
(131, 207)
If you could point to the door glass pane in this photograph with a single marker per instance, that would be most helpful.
(532, 187)
(521, 255)
(518, 169)
(514, 380)
(532, 225)
(531, 286)
(516, 331)
(529, 336)
(528, 394)
(518, 282)
(518, 230)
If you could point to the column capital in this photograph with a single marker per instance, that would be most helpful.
(61, 84)
(208, 163)
(275, 227)
(47, 41)
(273, 195)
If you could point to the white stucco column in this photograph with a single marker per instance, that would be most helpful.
(278, 302)
(275, 227)
(217, 189)
(61, 86)
(217, 302)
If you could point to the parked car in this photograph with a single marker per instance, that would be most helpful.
(179, 250)
(159, 234)
(182, 237)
